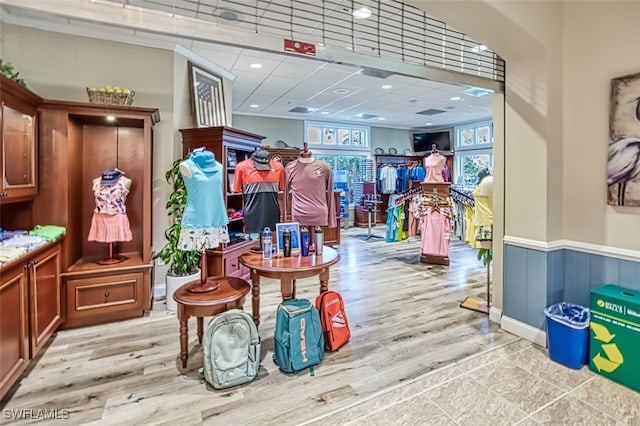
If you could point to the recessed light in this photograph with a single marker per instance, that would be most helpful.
(111, 118)
(325, 113)
(428, 124)
(362, 13)
(254, 105)
(386, 86)
(381, 118)
(479, 48)
(341, 91)
(455, 98)
(255, 66)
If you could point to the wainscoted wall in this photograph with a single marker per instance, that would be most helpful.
(536, 277)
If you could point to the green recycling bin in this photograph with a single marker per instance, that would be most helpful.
(615, 334)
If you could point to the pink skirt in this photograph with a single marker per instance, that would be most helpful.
(107, 228)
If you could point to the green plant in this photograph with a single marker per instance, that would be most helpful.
(180, 262)
(6, 68)
(485, 255)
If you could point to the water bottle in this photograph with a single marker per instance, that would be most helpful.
(286, 242)
(319, 240)
(304, 241)
(267, 243)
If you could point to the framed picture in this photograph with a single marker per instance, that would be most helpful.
(356, 137)
(467, 137)
(314, 135)
(344, 137)
(483, 135)
(328, 136)
(294, 227)
(207, 97)
(232, 158)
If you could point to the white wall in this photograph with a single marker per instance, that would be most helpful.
(290, 131)
(602, 42)
(385, 138)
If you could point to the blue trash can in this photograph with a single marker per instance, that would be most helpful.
(568, 334)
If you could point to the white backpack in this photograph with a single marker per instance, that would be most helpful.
(231, 349)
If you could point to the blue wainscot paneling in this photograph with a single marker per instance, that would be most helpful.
(535, 279)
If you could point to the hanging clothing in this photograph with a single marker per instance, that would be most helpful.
(446, 175)
(204, 221)
(469, 227)
(312, 200)
(402, 180)
(393, 215)
(434, 165)
(435, 231)
(110, 222)
(388, 178)
(260, 191)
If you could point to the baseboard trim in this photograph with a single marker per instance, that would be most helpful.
(519, 328)
(495, 314)
(159, 291)
(597, 249)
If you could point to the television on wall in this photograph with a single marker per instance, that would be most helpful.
(422, 142)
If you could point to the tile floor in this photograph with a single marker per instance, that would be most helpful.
(515, 384)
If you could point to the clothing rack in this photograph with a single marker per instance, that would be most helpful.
(405, 195)
(462, 198)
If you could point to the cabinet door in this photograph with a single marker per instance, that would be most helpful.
(44, 290)
(18, 153)
(14, 348)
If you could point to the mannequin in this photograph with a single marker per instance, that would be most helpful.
(204, 221)
(311, 183)
(434, 165)
(260, 179)
(483, 216)
(110, 222)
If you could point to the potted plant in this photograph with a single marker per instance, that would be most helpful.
(183, 265)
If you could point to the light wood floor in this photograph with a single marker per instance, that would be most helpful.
(405, 321)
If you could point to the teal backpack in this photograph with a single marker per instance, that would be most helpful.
(231, 349)
(298, 338)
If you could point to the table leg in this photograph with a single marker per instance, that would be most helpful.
(184, 335)
(255, 296)
(200, 322)
(286, 286)
(324, 280)
(293, 289)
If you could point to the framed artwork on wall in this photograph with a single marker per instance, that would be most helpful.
(207, 97)
(344, 137)
(314, 135)
(328, 136)
(623, 168)
(483, 135)
(467, 137)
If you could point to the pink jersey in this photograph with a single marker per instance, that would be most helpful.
(311, 186)
(434, 164)
(110, 199)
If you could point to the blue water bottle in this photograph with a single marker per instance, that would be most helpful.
(267, 243)
(304, 241)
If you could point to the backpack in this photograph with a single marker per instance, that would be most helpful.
(333, 319)
(231, 349)
(298, 340)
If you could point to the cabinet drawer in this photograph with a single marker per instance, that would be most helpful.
(233, 267)
(93, 296)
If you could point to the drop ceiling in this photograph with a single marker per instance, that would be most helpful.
(295, 86)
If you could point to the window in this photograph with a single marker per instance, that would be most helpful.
(348, 168)
(474, 152)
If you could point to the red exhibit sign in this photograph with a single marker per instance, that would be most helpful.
(300, 47)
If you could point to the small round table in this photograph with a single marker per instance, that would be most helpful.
(230, 295)
(287, 270)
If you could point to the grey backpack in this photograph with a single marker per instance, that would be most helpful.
(231, 349)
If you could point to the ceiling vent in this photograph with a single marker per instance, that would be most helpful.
(364, 116)
(431, 111)
(372, 72)
(227, 15)
(477, 92)
(301, 110)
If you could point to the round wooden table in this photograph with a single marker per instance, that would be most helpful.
(287, 270)
(230, 295)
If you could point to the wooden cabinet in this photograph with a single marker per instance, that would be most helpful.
(30, 309)
(230, 146)
(78, 141)
(18, 142)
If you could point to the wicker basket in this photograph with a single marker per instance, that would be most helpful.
(110, 98)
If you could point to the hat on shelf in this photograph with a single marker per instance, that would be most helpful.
(110, 176)
(205, 160)
(261, 159)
